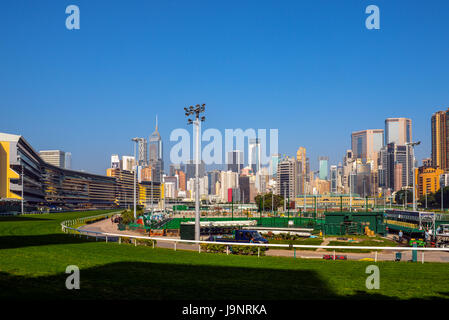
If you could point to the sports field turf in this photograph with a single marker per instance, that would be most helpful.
(34, 254)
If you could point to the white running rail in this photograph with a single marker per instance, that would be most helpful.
(65, 228)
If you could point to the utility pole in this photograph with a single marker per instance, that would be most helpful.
(196, 111)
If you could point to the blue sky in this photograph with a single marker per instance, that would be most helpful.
(309, 68)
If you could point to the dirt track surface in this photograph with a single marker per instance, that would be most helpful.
(108, 226)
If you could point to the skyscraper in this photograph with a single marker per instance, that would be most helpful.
(235, 161)
(254, 154)
(115, 161)
(334, 177)
(128, 162)
(398, 131)
(286, 178)
(213, 177)
(440, 140)
(366, 144)
(392, 157)
(142, 152)
(324, 167)
(274, 164)
(68, 160)
(156, 158)
(191, 167)
(54, 157)
(302, 169)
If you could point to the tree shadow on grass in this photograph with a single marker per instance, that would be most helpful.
(20, 219)
(154, 281)
(13, 242)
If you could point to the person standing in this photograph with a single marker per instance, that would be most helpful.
(400, 236)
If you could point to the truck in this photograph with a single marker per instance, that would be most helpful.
(442, 236)
(241, 236)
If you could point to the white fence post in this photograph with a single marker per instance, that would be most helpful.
(422, 257)
(334, 254)
(199, 247)
(375, 257)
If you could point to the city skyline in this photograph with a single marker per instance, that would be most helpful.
(314, 72)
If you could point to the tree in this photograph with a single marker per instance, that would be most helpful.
(400, 197)
(264, 200)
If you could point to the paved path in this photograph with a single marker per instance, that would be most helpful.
(107, 226)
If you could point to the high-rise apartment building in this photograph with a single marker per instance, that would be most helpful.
(128, 163)
(286, 178)
(427, 180)
(228, 180)
(398, 131)
(115, 161)
(182, 180)
(440, 140)
(54, 157)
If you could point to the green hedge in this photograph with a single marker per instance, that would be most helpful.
(239, 250)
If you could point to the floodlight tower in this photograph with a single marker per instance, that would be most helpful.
(413, 144)
(196, 111)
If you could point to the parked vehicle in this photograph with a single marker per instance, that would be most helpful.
(243, 236)
(442, 236)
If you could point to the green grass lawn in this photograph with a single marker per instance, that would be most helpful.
(301, 241)
(34, 254)
(365, 241)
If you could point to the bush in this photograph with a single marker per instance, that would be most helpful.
(213, 248)
(146, 242)
(248, 250)
(128, 215)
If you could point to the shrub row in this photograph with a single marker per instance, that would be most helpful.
(240, 250)
(140, 242)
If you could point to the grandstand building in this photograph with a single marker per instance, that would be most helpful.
(43, 186)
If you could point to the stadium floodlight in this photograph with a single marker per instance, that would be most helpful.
(412, 144)
(196, 111)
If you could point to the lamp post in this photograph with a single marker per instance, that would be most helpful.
(412, 144)
(136, 140)
(195, 112)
